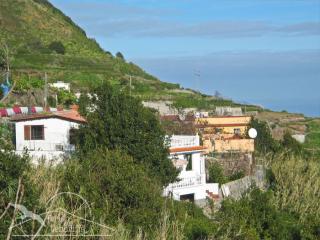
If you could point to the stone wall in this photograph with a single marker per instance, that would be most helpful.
(233, 162)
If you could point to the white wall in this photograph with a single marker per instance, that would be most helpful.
(56, 131)
(61, 85)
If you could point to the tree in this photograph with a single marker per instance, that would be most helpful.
(57, 47)
(291, 144)
(116, 186)
(216, 174)
(120, 55)
(255, 217)
(118, 121)
(264, 142)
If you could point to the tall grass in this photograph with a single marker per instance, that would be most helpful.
(65, 211)
(298, 185)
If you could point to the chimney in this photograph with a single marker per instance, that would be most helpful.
(74, 107)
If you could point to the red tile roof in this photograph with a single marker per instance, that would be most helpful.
(169, 118)
(187, 149)
(223, 125)
(69, 115)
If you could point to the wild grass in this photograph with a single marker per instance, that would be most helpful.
(297, 182)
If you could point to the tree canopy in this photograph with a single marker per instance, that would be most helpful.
(119, 121)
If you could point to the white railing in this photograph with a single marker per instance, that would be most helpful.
(184, 141)
(45, 146)
(186, 182)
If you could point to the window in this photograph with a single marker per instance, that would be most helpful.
(218, 130)
(188, 157)
(33, 132)
(237, 131)
(72, 136)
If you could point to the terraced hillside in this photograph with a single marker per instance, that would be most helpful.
(42, 39)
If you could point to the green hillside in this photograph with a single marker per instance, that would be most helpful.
(42, 39)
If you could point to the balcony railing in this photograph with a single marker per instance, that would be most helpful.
(186, 182)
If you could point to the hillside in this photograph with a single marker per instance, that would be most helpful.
(42, 39)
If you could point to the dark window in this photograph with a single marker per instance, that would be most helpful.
(218, 130)
(237, 131)
(188, 157)
(72, 136)
(187, 197)
(37, 132)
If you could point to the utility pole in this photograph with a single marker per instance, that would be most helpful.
(197, 78)
(130, 78)
(45, 90)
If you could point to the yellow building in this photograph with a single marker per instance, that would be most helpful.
(225, 133)
(223, 124)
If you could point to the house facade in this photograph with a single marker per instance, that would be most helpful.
(225, 133)
(187, 156)
(47, 136)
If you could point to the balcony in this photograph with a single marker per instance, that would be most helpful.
(186, 182)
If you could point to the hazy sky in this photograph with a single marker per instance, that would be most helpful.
(259, 51)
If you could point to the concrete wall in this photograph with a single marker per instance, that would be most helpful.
(241, 145)
(163, 107)
(229, 111)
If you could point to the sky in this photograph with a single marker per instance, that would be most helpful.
(264, 52)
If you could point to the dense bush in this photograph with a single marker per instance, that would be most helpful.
(116, 186)
(25, 83)
(255, 217)
(57, 47)
(121, 122)
(216, 174)
(264, 142)
(291, 144)
(66, 98)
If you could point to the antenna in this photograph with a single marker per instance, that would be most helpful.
(197, 78)
(130, 78)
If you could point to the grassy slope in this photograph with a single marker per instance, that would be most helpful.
(313, 138)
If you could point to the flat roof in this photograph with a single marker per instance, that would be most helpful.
(187, 149)
(222, 125)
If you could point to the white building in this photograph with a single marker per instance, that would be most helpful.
(61, 85)
(186, 154)
(48, 135)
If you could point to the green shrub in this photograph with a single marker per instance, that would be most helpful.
(291, 144)
(66, 98)
(26, 83)
(57, 47)
(120, 121)
(216, 174)
(235, 176)
(117, 187)
(264, 142)
(255, 217)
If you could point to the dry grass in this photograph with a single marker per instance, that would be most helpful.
(298, 185)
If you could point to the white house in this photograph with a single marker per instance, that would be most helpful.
(61, 85)
(187, 155)
(46, 135)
